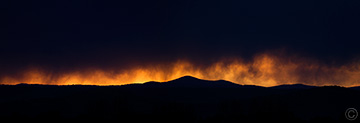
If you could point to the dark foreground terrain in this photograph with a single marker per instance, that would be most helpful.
(184, 100)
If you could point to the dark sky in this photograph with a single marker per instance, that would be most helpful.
(64, 34)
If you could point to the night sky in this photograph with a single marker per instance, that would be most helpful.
(62, 36)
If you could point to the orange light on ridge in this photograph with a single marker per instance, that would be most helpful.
(264, 70)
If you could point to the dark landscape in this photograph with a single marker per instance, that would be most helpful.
(180, 61)
(186, 99)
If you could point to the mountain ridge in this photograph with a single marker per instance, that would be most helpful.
(192, 82)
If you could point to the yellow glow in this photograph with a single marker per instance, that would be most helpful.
(263, 70)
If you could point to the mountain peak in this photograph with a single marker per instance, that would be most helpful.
(187, 78)
(293, 86)
(191, 82)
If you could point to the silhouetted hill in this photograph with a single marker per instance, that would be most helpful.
(356, 88)
(186, 99)
(191, 82)
(293, 86)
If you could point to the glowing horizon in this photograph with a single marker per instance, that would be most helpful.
(264, 70)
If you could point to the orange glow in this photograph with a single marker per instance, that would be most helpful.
(264, 70)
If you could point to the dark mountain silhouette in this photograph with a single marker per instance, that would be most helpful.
(192, 82)
(186, 99)
(189, 81)
(293, 86)
(356, 88)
